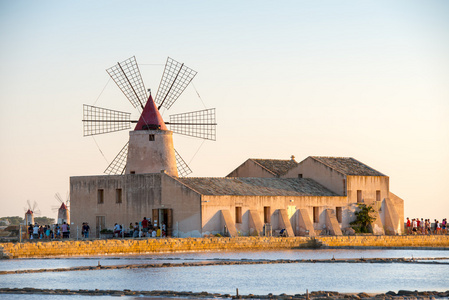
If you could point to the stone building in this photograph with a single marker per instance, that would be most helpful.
(345, 176)
(318, 195)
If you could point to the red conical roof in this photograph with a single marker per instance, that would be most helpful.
(63, 206)
(150, 116)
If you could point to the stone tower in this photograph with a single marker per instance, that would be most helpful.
(63, 214)
(150, 148)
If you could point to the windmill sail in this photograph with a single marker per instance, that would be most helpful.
(127, 77)
(183, 168)
(97, 120)
(174, 81)
(199, 124)
(117, 166)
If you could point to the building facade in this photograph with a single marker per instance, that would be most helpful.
(316, 196)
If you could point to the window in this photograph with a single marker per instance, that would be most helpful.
(151, 137)
(100, 196)
(344, 187)
(359, 196)
(132, 172)
(299, 175)
(266, 214)
(118, 196)
(377, 195)
(238, 214)
(316, 214)
(339, 213)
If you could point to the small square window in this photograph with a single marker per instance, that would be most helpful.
(151, 137)
(299, 175)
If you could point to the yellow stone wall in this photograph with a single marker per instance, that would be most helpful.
(142, 246)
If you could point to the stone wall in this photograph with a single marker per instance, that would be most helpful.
(409, 241)
(143, 246)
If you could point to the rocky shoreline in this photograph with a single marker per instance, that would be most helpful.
(222, 262)
(402, 294)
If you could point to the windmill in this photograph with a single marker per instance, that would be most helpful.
(30, 212)
(139, 156)
(63, 209)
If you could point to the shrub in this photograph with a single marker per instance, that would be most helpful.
(363, 219)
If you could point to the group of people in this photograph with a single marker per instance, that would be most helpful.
(48, 232)
(143, 228)
(421, 226)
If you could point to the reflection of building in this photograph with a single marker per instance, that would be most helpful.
(316, 196)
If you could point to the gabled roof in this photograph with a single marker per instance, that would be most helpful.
(347, 166)
(250, 186)
(278, 167)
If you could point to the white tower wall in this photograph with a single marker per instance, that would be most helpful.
(150, 151)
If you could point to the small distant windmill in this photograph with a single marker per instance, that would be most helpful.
(138, 156)
(63, 209)
(30, 212)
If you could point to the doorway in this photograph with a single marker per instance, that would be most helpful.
(163, 216)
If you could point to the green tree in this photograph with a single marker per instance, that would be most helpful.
(364, 218)
(16, 220)
(44, 220)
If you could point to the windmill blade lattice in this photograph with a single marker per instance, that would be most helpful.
(97, 120)
(181, 165)
(59, 198)
(127, 76)
(199, 124)
(175, 79)
(117, 166)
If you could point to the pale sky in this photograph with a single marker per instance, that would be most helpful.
(362, 79)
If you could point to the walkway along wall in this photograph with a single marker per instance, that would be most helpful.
(146, 246)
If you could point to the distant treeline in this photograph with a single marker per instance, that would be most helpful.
(19, 220)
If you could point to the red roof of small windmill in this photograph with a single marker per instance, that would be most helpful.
(63, 206)
(150, 116)
(29, 212)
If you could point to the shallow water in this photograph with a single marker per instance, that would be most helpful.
(65, 262)
(255, 279)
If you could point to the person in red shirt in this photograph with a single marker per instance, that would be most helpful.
(145, 226)
(408, 225)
